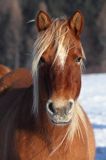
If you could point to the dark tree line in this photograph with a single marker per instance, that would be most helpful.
(17, 36)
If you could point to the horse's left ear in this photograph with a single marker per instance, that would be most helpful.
(77, 22)
(43, 21)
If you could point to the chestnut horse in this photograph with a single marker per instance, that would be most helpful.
(4, 70)
(45, 121)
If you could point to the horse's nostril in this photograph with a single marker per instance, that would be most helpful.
(51, 107)
(70, 104)
(69, 107)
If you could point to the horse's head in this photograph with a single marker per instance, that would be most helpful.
(58, 61)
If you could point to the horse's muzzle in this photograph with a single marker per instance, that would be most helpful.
(61, 114)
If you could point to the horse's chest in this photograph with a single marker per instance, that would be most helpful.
(36, 149)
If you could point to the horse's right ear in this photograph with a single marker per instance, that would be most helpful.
(77, 22)
(43, 21)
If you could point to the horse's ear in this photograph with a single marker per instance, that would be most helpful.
(43, 21)
(77, 22)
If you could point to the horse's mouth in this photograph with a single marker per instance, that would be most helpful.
(61, 123)
(60, 120)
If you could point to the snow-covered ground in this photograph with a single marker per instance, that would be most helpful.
(93, 99)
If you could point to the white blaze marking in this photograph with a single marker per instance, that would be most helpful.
(61, 54)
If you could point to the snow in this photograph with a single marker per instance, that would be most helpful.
(93, 100)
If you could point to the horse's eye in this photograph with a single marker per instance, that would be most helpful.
(78, 59)
(42, 61)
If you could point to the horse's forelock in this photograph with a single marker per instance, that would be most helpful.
(55, 33)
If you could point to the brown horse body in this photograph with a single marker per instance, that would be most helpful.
(20, 78)
(48, 123)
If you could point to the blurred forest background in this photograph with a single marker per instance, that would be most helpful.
(17, 36)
